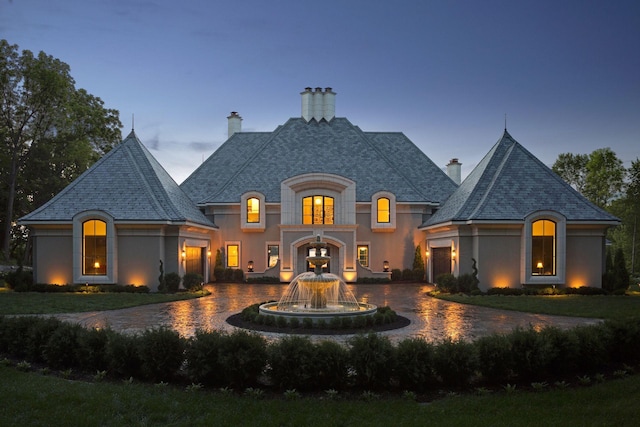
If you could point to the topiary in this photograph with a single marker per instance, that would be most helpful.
(172, 280)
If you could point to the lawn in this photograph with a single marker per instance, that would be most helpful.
(594, 306)
(51, 303)
(35, 399)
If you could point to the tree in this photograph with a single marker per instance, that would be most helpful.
(627, 208)
(605, 177)
(598, 176)
(51, 132)
(572, 168)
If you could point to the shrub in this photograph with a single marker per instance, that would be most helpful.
(228, 274)
(92, 345)
(505, 291)
(346, 322)
(36, 334)
(418, 274)
(331, 364)
(19, 279)
(294, 323)
(396, 274)
(192, 281)
(466, 283)
(371, 356)
(172, 282)
(238, 275)
(594, 342)
(307, 323)
(495, 358)
(62, 348)
(293, 362)
(122, 355)
(281, 322)
(563, 348)
(407, 274)
(531, 354)
(455, 362)
(161, 353)
(242, 358)
(202, 356)
(414, 364)
(625, 340)
(447, 283)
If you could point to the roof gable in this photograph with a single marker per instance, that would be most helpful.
(261, 161)
(509, 184)
(129, 184)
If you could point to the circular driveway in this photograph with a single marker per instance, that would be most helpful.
(431, 318)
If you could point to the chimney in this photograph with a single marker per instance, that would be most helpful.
(454, 170)
(318, 105)
(234, 122)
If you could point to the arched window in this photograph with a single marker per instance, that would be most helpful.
(253, 210)
(384, 210)
(317, 210)
(543, 248)
(94, 248)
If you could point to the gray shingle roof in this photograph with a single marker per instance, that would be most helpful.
(129, 184)
(261, 161)
(509, 184)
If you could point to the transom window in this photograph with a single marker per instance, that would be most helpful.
(94, 248)
(253, 210)
(543, 248)
(384, 210)
(363, 255)
(317, 210)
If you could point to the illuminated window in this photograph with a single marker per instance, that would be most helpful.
(233, 256)
(253, 210)
(384, 210)
(543, 248)
(363, 255)
(94, 248)
(273, 253)
(317, 210)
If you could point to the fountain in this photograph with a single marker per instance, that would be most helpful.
(317, 295)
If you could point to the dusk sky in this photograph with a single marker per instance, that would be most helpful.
(565, 72)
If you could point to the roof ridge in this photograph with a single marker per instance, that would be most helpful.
(145, 181)
(495, 176)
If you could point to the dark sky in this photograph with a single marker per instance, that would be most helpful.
(565, 72)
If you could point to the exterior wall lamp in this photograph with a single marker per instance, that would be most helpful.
(184, 255)
(209, 254)
(453, 254)
(385, 266)
(250, 266)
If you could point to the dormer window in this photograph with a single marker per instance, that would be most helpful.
(317, 210)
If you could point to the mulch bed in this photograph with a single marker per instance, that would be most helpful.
(236, 320)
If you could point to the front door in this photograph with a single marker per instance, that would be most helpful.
(195, 260)
(441, 262)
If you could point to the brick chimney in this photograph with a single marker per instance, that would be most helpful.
(318, 105)
(234, 122)
(454, 170)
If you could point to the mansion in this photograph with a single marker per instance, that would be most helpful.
(373, 197)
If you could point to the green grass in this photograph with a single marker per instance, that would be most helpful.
(30, 398)
(595, 306)
(51, 303)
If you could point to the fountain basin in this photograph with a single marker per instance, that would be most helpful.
(317, 315)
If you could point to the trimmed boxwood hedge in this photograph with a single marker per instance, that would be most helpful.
(245, 359)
